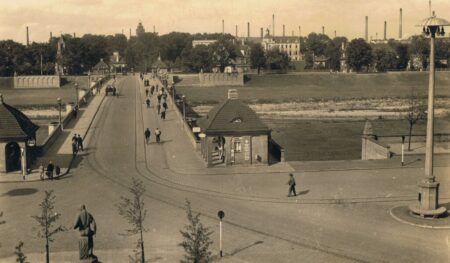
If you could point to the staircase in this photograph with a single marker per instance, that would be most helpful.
(215, 159)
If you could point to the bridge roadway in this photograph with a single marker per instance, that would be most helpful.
(255, 229)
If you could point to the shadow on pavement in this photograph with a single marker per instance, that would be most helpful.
(20, 192)
(244, 248)
(304, 192)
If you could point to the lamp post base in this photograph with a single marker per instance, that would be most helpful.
(428, 205)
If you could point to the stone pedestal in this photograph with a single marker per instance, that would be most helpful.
(52, 126)
(428, 204)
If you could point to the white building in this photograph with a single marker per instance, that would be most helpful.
(290, 45)
(205, 42)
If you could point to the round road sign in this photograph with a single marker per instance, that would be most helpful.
(221, 214)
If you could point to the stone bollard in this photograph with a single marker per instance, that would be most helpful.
(69, 107)
(52, 126)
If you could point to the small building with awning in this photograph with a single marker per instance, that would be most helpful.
(233, 134)
(17, 136)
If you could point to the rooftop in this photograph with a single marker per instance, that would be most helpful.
(14, 124)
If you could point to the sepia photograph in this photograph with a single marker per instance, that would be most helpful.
(243, 131)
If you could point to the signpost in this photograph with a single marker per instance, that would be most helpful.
(403, 150)
(221, 215)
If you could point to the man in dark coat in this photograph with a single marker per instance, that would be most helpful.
(50, 168)
(147, 134)
(291, 184)
(85, 223)
(80, 143)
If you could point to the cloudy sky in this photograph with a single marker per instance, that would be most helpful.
(113, 16)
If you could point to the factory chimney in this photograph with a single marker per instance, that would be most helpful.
(248, 29)
(28, 37)
(400, 25)
(284, 33)
(366, 36)
(236, 33)
(262, 32)
(273, 25)
(385, 28)
(223, 26)
(323, 30)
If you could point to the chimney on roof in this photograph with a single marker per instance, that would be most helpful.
(233, 94)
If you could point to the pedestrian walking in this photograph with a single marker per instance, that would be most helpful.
(50, 169)
(57, 171)
(152, 89)
(42, 171)
(159, 98)
(74, 148)
(164, 105)
(158, 135)
(291, 184)
(146, 92)
(148, 103)
(147, 134)
(80, 143)
(163, 114)
(158, 107)
(75, 111)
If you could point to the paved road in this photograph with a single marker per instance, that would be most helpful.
(256, 230)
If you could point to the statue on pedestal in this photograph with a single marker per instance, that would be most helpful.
(85, 223)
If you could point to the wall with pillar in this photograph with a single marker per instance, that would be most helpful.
(30, 82)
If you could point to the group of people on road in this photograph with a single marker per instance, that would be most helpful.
(77, 144)
(49, 171)
(161, 96)
(147, 134)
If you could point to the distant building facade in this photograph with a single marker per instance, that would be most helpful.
(290, 45)
(117, 63)
(205, 42)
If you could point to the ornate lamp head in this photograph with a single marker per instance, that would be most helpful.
(434, 26)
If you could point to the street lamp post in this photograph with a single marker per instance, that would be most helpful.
(428, 197)
(76, 91)
(184, 107)
(221, 215)
(60, 119)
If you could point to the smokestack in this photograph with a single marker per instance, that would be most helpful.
(28, 37)
(273, 25)
(74, 35)
(299, 31)
(236, 30)
(223, 26)
(154, 29)
(130, 33)
(323, 30)
(248, 29)
(367, 29)
(400, 25)
(51, 36)
(262, 32)
(385, 27)
(284, 33)
(335, 34)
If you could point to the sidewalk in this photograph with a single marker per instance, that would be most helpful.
(175, 162)
(60, 153)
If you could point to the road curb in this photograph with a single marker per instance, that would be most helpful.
(403, 221)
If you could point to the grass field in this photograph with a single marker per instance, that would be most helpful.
(321, 86)
(315, 140)
(28, 97)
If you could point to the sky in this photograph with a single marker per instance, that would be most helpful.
(112, 16)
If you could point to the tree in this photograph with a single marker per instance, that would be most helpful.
(420, 47)
(316, 45)
(384, 58)
(196, 59)
(416, 111)
(257, 56)
(277, 59)
(173, 44)
(20, 256)
(359, 54)
(222, 52)
(46, 220)
(196, 239)
(133, 210)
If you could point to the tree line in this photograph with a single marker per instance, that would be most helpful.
(176, 49)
